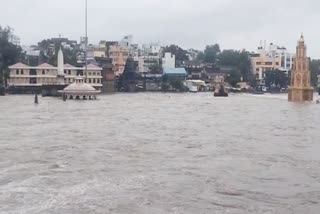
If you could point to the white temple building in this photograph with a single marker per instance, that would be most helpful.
(26, 77)
(79, 90)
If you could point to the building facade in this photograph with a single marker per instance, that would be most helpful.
(119, 56)
(149, 55)
(26, 78)
(300, 89)
(169, 60)
(22, 75)
(273, 58)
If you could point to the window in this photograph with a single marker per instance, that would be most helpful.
(89, 80)
(94, 80)
(17, 71)
(69, 72)
(65, 71)
(277, 63)
(89, 73)
(269, 63)
(22, 72)
(33, 72)
(257, 69)
(258, 63)
(43, 72)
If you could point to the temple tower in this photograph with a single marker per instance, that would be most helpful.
(60, 76)
(60, 62)
(300, 89)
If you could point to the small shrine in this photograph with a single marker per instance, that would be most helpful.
(79, 90)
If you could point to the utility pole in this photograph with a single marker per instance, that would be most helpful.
(86, 42)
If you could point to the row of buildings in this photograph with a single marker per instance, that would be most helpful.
(271, 57)
(107, 60)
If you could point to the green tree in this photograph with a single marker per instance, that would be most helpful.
(180, 54)
(237, 59)
(200, 56)
(50, 48)
(127, 81)
(233, 77)
(276, 79)
(9, 53)
(315, 71)
(211, 52)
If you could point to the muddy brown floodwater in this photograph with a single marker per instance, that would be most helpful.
(156, 153)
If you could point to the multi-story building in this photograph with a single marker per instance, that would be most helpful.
(145, 62)
(31, 55)
(149, 55)
(273, 58)
(119, 56)
(169, 60)
(22, 75)
(195, 69)
(126, 41)
(30, 78)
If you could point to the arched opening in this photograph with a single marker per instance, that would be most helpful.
(77, 97)
(70, 97)
(84, 97)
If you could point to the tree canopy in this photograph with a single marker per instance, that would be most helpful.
(9, 52)
(181, 55)
(211, 52)
(240, 60)
(127, 80)
(276, 79)
(233, 77)
(315, 71)
(49, 53)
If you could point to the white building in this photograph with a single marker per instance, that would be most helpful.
(271, 58)
(169, 60)
(150, 54)
(152, 48)
(126, 41)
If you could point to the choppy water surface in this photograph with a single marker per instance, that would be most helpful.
(159, 153)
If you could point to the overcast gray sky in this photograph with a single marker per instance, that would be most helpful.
(237, 24)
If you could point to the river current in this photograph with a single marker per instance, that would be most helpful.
(155, 153)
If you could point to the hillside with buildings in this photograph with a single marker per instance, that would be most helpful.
(267, 68)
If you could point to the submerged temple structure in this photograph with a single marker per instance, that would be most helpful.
(300, 89)
(79, 90)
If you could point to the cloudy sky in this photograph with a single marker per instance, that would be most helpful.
(237, 24)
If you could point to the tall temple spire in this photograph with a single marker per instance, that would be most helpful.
(300, 89)
(60, 62)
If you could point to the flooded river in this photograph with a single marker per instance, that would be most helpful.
(159, 154)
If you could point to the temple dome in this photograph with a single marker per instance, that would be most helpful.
(79, 88)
